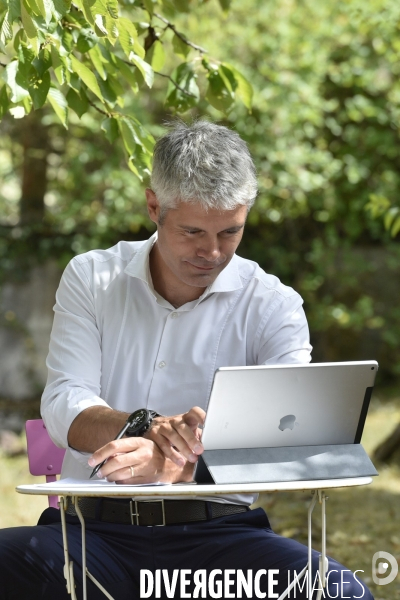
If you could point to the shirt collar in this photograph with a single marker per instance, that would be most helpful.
(227, 281)
(139, 266)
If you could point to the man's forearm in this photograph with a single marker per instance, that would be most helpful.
(95, 427)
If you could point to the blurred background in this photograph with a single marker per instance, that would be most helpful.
(324, 133)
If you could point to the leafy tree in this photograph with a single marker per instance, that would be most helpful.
(324, 130)
(92, 53)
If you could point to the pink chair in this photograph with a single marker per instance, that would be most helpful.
(44, 457)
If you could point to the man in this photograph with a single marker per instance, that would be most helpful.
(145, 325)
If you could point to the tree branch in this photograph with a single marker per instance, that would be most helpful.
(179, 35)
(178, 87)
(98, 109)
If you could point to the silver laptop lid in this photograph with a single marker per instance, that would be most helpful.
(288, 405)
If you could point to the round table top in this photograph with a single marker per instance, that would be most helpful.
(68, 487)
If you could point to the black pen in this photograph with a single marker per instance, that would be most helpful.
(119, 436)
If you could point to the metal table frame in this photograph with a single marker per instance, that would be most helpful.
(75, 491)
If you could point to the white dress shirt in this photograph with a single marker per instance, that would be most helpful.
(116, 342)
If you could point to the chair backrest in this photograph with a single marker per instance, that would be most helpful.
(44, 457)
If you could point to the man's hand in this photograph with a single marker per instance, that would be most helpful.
(178, 437)
(138, 460)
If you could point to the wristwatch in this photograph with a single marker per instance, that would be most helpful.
(139, 422)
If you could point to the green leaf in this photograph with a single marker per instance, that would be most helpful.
(14, 9)
(218, 94)
(228, 79)
(179, 46)
(105, 8)
(97, 60)
(59, 67)
(61, 7)
(99, 25)
(138, 144)
(390, 216)
(19, 39)
(377, 205)
(112, 29)
(128, 38)
(4, 101)
(26, 57)
(32, 7)
(6, 33)
(43, 61)
(46, 8)
(18, 93)
(149, 6)
(144, 68)
(38, 87)
(107, 92)
(67, 43)
(156, 56)
(244, 88)
(87, 77)
(87, 39)
(59, 104)
(395, 227)
(110, 127)
(78, 102)
(112, 8)
(225, 4)
(116, 85)
(127, 73)
(75, 82)
(86, 7)
(29, 26)
(186, 79)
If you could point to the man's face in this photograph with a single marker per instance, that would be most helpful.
(195, 245)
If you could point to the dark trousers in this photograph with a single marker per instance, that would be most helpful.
(127, 560)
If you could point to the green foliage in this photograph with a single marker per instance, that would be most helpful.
(322, 124)
(379, 206)
(324, 130)
(93, 54)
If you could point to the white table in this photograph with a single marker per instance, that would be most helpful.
(75, 491)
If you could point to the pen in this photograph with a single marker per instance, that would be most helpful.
(119, 436)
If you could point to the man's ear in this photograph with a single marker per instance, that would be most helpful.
(153, 207)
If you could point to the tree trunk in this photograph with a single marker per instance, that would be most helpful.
(34, 139)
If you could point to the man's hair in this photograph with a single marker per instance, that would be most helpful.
(203, 163)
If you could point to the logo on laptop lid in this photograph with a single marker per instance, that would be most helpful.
(287, 422)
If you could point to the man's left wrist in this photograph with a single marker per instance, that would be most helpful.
(140, 422)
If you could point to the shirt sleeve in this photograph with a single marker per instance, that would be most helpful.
(283, 336)
(74, 359)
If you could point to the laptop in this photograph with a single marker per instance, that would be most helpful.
(287, 423)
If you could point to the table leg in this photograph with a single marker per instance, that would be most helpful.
(309, 564)
(68, 565)
(323, 567)
(85, 572)
(83, 532)
(323, 562)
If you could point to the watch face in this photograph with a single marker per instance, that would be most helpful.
(138, 419)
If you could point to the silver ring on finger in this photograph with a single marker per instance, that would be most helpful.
(132, 471)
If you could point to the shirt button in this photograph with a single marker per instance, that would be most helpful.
(174, 315)
(162, 364)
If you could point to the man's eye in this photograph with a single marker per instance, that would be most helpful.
(191, 231)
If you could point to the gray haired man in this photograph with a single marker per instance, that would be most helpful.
(142, 327)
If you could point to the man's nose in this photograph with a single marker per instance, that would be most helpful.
(209, 249)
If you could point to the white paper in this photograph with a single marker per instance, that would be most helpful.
(71, 481)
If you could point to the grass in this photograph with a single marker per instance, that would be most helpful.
(360, 520)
